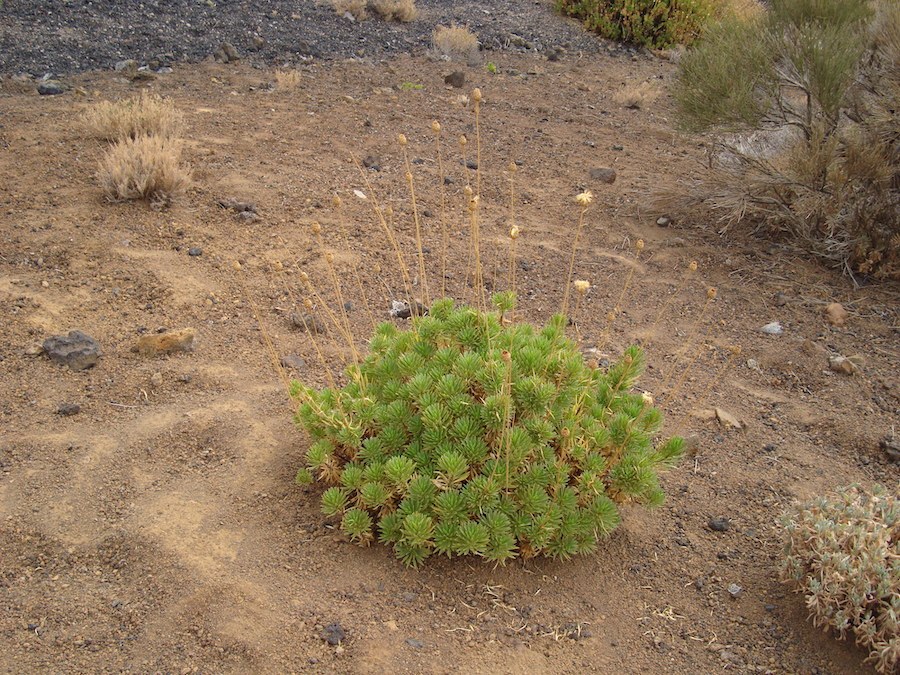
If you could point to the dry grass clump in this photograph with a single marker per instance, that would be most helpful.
(457, 43)
(842, 554)
(356, 8)
(144, 115)
(146, 167)
(287, 80)
(637, 96)
(395, 10)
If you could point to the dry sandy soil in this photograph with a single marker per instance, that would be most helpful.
(160, 530)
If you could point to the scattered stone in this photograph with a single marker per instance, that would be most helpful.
(617, 148)
(835, 314)
(50, 88)
(165, 343)
(728, 420)
(156, 379)
(415, 644)
(664, 221)
(842, 365)
(753, 364)
(773, 328)
(249, 216)
(195, 251)
(75, 350)
(293, 361)
(456, 79)
(307, 323)
(371, 162)
(471, 164)
(237, 205)
(780, 299)
(891, 447)
(126, 65)
(165, 70)
(34, 349)
(226, 53)
(334, 634)
(257, 43)
(719, 524)
(401, 310)
(604, 175)
(68, 409)
(705, 414)
(734, 590)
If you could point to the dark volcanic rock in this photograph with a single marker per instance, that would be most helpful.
(75, 350)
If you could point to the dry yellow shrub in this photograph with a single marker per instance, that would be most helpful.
(356, 8)
(144, 115)
(455, 42)
(146, 167)
(637, 96)
(395, 10)
(287, 80)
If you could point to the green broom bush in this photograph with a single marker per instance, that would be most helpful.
(470, 435)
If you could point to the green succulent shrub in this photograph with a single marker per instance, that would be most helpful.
(649, 23)
(471, 435)
(843, 554)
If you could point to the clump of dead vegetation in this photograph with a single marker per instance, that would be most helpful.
(144, 160)
(637, 96)
(456, 43)
(806, 97)
(389, 10)
(144, 115)
(146, 167)
(287, 80)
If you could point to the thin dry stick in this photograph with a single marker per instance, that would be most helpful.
(476, 246)
(476, 96)
(415, 208)
(692, 267)
(389, 233)
(267, 339)
(436, 128)
(734, 352)
(710, 296)
(511, 280)
(279, 270)
(338, 206)
(507, 424)
(513, 235)
(582, 286)
(584, 199)
(324, 305)
(611, 315)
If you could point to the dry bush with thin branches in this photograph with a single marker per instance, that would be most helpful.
(395, 10)
(813, 90)
(456, 43)
(144, 115)
(146, 167)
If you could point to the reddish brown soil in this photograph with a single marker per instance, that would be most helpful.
(160, 530)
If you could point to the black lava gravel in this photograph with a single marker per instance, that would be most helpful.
(62, 37)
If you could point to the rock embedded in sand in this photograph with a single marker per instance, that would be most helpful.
(835, 314)
(76, 350)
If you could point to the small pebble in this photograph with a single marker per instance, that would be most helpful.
(719, 524)
(773, 328)
(195, 251)
(68, 409)
(734, 590)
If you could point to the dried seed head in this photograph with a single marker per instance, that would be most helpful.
(329, 257)
(582, 286)
(639, 245)
(648, 398)
(610, 316)
(236, 266)
(512, 168)
(307, 303)
(278, 266)
(506, 356)
(736, 350)
(401, 139)
(584, 198)
(468, 191)
(436, 127)
(408, 175)
(514, 232)
(711, 294)
(473, 203)
(304, 276)
(564, 432)
(389, 211)
(336, 202)
(316, 228)
(476, 95)
(463, 140)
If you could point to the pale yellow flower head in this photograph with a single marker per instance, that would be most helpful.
(514, 232)
(584, 198)
(582, 286)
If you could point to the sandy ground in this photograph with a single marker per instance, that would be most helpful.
(159, 529)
